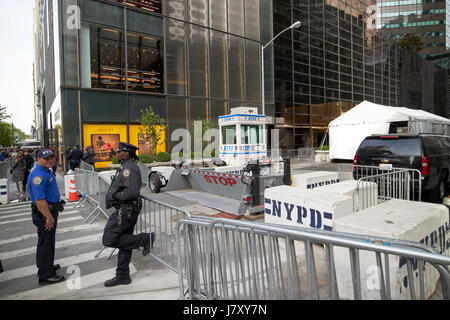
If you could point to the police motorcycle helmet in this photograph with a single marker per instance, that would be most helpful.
(131, 149)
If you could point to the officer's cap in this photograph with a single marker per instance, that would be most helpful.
(123, 146)
(45, 153)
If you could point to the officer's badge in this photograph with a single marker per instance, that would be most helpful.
(37, 181)
(126, 173)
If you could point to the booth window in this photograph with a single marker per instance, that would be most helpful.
(229, 134)
(251, 134)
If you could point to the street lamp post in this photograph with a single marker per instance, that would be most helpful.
(295, 25)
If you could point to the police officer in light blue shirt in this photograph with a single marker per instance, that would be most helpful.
(45, 207)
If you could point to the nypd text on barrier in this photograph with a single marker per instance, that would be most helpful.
(317, 220)
(321, 183)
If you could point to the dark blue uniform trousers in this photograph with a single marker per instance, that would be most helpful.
(121, 236)
(45, 252)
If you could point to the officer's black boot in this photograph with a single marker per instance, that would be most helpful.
(149, 244)
(116, 281)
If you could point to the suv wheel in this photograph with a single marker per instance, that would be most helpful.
(440, 189)
(155, 183)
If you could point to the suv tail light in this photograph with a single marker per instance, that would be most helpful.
(425, 166)
(355, 161)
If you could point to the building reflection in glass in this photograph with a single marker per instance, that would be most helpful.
(337, 60)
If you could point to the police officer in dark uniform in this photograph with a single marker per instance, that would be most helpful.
(123, 195)
(46, 204)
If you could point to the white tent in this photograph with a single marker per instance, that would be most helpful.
(349, 130)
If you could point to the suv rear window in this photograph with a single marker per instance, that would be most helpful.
(391, 146)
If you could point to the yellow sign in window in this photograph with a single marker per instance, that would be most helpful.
(138, 139)
(105, 141)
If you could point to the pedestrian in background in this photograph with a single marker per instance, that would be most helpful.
(89, 156)
(18, 172)
(46, 205)
(75, 157)
(28, 162)
(55, 164)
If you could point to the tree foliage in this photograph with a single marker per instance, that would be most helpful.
(205, 127)
(153, 128)
(20, 134)
(3, 114)
(411, 42)
(6, 136)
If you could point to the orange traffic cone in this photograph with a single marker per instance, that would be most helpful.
(73, 195)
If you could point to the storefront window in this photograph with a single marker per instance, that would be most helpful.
(144, 63)
(147, 5)
(107, 58)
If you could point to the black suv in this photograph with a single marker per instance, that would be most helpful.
(428, 153)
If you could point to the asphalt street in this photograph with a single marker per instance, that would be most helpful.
(77, 243)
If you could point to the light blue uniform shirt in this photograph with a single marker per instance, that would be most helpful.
(42, 185)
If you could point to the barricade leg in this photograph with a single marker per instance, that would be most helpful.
(101, 250)
(81, 201)
(87, 218)
(98, 253)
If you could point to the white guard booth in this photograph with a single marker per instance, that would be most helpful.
(242, 136)
(349, 130)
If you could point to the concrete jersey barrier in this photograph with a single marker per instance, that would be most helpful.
(397, 219)
(305, 208)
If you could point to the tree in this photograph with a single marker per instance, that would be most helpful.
(199, 139)
(6, 135)
(3, 114)
(411, 42)
(153, 128)
(20, 134)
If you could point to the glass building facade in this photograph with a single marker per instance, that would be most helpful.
(187, 59)
(102, 62)
(336, 60)
(427, 19)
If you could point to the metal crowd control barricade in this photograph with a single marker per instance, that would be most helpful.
(392, 183)
(3, 170)
(103, 187)
(88, 184)
(228, 259)
(86, 166)
(306, 153)
(6, 166)
(144, 173)
(161, 218)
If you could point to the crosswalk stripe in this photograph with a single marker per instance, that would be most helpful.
(66, 211)
(14, 205)
(52, 291)
(58, 231)
(59, 244)
(28, 208)
(29, 219)
(64, 262)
